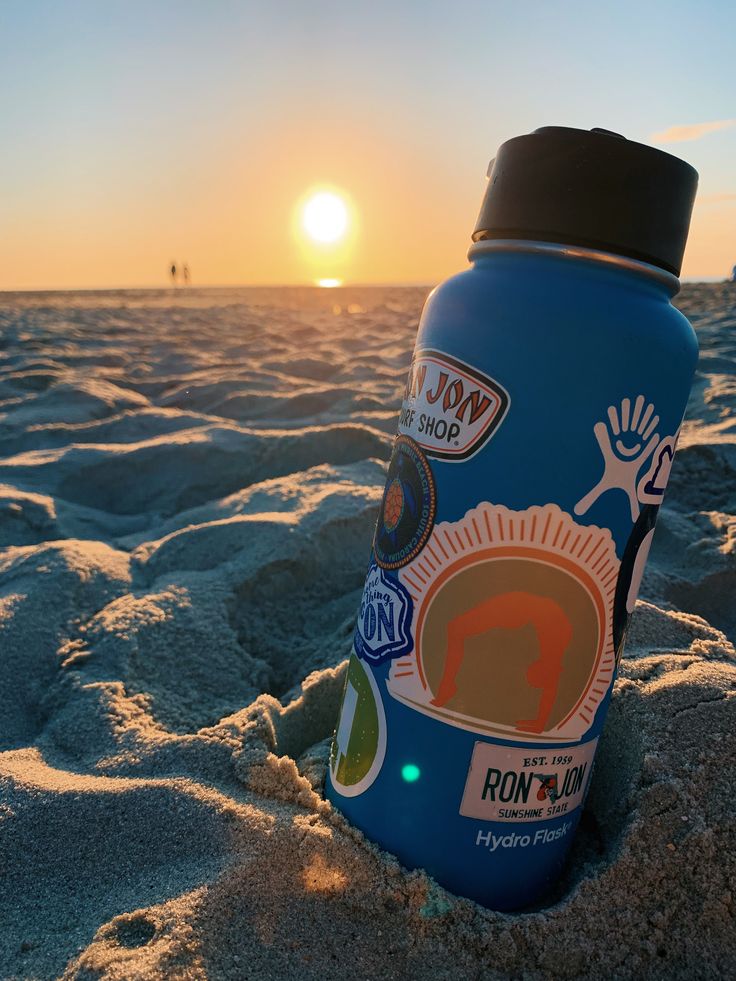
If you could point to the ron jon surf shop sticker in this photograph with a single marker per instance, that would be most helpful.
(450, 408)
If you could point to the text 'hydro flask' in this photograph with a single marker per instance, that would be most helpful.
(535, 440)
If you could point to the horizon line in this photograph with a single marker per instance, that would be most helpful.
(415, 284)
(216, 286)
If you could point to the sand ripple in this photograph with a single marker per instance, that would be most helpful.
(188, 486)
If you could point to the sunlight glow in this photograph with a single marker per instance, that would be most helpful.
(325, 226)
(325, 217)
(319, 876)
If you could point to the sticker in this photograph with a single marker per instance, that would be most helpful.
(630, 575)
(652, 485)
(512, 624)
(408, 506)
(383, 627)
(450, 408)
(509, 784)
(626, 439)
(359, 745)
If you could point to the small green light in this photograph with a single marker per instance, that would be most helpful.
(410, 772)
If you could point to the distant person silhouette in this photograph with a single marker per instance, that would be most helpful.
(173, 273)
(185, 274)
(733, 275)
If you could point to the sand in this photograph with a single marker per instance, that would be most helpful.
(188, 485)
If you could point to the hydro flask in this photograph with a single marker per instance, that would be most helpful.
(535, 439)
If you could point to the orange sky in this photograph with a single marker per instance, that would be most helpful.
(409, 223)
(151, 133)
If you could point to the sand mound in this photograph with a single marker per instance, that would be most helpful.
(187, 494)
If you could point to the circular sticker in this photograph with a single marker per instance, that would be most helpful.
(359, 745)
(408, 507)
(512, 623)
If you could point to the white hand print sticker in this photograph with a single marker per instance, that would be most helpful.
(627, 440)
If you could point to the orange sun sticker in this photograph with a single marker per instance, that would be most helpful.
(512, 624)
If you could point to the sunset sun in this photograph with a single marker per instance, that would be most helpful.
(325, 217)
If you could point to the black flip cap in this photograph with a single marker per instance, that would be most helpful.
(591, 188)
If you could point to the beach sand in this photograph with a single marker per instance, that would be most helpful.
(188, 487)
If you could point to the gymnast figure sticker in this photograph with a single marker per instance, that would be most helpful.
(512, 624)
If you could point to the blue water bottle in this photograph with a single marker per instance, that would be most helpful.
(535, 439)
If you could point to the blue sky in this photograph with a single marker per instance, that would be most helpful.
(133, 130)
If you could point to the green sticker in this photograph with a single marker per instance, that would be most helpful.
(360, 740)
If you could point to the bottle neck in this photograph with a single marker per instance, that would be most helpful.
(602, 260)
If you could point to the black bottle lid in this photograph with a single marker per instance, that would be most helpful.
(590, 188)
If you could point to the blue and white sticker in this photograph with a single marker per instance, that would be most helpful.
(386, 609)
